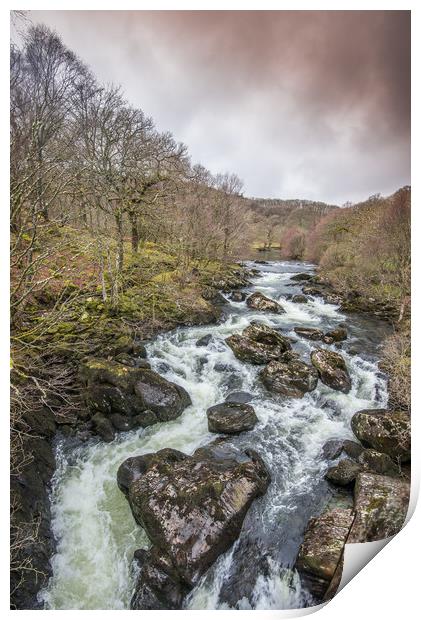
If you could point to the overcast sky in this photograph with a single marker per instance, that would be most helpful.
(297, 103)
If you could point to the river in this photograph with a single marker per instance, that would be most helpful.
(91, 520)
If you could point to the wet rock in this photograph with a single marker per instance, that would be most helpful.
(322, 549)
(239, 397)
(310, 333)
(103, 427)
(293, 378)
(204, 340)
(332, 449)
(121, 422)
(332, 369)
(352, 449)
(258, 344)
(299, 299)
(261, 262)
(301, 277)
(378, 463)
(114, 388)
(213, 296)
(192, 508)
(145, 418)
(344, 473)
(238, 296)
(259, 332)
(381, 504)
(159, 585)
(231, 418)
(385, 431)
(336, 335)
(258, 301)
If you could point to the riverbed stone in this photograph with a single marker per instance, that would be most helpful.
(239, 397)
(352, 448)
(231, 418)
(332, 449)
(258, 344)
(204, 340)
(192, 509)
(336, 335)
(344, 473)
(322, 549)
(385, 431)
(379, 463)
(238, 296)
(310, 333)
(293, 378)
(381, 504)
(103, 427)
(332, 369)
(301, 277)
(258, 301)
(299, 299)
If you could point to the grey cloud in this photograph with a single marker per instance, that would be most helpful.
(313, 104)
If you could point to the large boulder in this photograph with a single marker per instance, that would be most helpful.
(258, 301)
(140, 396)
(310, 333)
(321, 552)
(258, 344)
(231, 418)
(332, 369)
(293, 378)
(381, 504)
(385, 431)
(192, 509)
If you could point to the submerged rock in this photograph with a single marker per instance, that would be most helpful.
(310, 333)
(385, 431)
(258, 301)
(332, 369)
(192, 509)
(321, 551)
(299, 299)
(293, 378)
(381, 504)
(140, 396)
(204, 340)
(231, 418)
(258, 344)
(238, 296)
(239, 397)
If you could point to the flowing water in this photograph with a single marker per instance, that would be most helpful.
(95, 531)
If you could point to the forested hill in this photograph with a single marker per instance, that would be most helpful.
(278, 222)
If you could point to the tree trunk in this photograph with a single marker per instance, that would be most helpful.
(135, 232)
(120, 246)
(42, 207)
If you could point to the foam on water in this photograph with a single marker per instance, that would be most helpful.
(95, 531)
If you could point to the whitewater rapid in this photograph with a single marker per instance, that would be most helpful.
(95, 532)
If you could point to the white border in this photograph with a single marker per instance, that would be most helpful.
(388, 585)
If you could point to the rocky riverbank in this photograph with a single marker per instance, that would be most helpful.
(94, 403)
